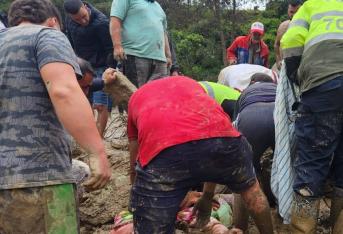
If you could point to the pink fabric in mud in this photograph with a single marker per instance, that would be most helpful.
(172, 111)
(125, 229)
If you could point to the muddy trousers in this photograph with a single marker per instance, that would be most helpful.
(39, 210)
(319, 133)
(336, 212)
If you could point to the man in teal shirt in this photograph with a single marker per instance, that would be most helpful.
(138, 31)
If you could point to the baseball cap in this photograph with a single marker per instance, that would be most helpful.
(257, 27)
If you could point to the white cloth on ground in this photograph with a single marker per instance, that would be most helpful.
(282, 174)
(239, 76)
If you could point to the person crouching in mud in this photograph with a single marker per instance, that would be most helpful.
(180, 137)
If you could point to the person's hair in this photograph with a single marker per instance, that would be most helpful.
(261, 77)
(295, 3)
(33, 11)
(72, 6)
(85, 66)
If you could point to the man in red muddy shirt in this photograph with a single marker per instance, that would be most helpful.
(180, 137)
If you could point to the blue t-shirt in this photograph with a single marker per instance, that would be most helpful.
(143, 26)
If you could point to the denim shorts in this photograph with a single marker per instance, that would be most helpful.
(162, 184)
(319, 132)
(100, 97)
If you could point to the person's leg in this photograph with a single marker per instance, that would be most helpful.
(50, 209)
(240, 213)
(258, 207)
(229, 161)
(256, 123)
(102, 103)
(130, 70)
(102, 110)
(158, 191)
(336, 211)
(318, 136)
(143, 70)
(159, 70)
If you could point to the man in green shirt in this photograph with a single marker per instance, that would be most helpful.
(138, 30)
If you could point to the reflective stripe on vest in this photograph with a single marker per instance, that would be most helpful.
(323, 37)
(209, 89)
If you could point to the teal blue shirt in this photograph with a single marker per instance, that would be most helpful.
(143, 26)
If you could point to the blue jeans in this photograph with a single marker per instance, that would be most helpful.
(161, 186)
(319, 131)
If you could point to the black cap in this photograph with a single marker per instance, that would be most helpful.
(72, 6)
(295, 2)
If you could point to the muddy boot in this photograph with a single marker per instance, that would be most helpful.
(304, 215)
(336, 212)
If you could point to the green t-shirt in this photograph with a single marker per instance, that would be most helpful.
(143, 26)
(220, 92)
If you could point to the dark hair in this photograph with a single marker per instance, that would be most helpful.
(295, 3)
(72, 6)
(261, 77)
(85, 66)
(34, 11)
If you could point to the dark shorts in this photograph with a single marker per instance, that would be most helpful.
(142, 70)
(49, 209)
(100, 97)
(162, 185)
(319, 131)
(256, 123)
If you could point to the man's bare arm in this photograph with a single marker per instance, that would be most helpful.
(115, 31)
(75, 114)
(280, 32)
(133, 148)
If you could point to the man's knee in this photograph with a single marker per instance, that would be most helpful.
(254, 198)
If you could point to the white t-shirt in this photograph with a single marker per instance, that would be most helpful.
(2, 26)
(239, 76)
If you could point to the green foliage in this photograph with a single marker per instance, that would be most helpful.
(197, 55)
(202, 29)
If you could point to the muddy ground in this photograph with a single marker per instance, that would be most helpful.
(97, 209)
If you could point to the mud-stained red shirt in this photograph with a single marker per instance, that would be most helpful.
(172, 111)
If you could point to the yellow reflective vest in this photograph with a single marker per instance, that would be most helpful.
(316, 34)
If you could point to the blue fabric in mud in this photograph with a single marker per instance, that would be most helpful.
(319, 131)
(162, 185)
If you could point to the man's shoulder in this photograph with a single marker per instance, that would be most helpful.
(31, 32)
(239, 38)
(99, 18)
(283, 26)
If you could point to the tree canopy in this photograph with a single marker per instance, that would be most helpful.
(203, 29)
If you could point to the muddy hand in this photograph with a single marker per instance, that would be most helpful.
(202, 210)
(100, 172)
(109, 76)
(191, 198)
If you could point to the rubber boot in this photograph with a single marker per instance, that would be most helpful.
(336, 212)
(304, 215)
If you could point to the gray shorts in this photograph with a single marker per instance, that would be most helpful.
(142, 70)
